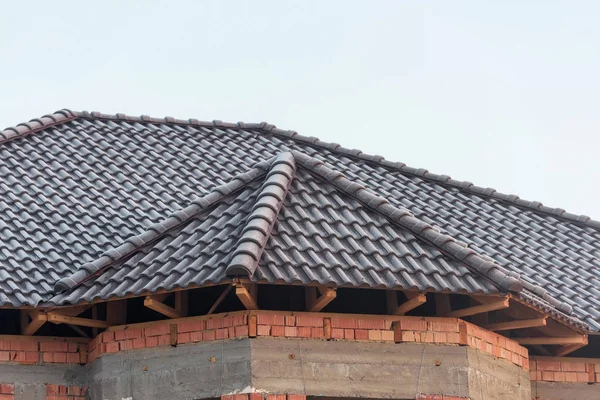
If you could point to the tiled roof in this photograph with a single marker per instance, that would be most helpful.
(276, 224)
(83, 183)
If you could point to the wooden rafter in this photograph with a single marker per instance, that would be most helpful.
(414, 301)
(38, 319)
(154, 303)
(566, 340)
(516, 324)
(65, 319)
(326, 296)
(482, 308)
(245, 293)
(181, 302)
(72, 311)
(220, 299)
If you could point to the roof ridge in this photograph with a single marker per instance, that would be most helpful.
(67, 115)
(259, 224)
(482, 264)
(159, 229)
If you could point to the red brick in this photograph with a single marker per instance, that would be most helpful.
(7, 388)
(183, 338)
(454, 338)
(573, 366)
(409, 336)
(134, 333)
(413, 324)
(371, 324)
(112, 347)
(444, 326)
(337, 333)
(296, 397)
(228, 321)
(120, 335)
(290, 320)
(4, 356)
(214, 323)
(4, 344)
(346, 323)
(208, 335)
(221, 333)
(525, 362)
(74, 347)
(263, 330)
(349, 334)
(256, 396)
(240, 319)
(440, 337)
(152, 341)
(54, 346)
(304, 331)
(51, 389)
(569, 376)
(24, 345)
(241, 331)
(361, 334)
(270, 319)
(291, 331)
(195, 336)
(374, 334)
(559, 376)
(29, 357)
(277, 330)
(108, 336)
(548, 365)
(163, 329)
(276, 397)
(535, 375)
(74, 390)
(164, 340)
(308, 320)
(317, 333)
(582, 376)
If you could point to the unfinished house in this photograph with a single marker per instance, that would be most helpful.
(155, 258)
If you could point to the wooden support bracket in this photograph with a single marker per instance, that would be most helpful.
(65, 319)
(153, 303)
(564, 350)
(37, 320)
(181, 302)
(566, 340)
(318, 303)
(492, 306)
(220, 299)
(414, 301)
(245, 293)
(517, 324)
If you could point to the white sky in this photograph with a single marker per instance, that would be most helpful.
(503, 94)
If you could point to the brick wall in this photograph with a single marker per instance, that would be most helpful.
(7, 391)
(439, 397)
(261, 396)
(554, 369)
(63, 392)
(238, 324)
(33, 350)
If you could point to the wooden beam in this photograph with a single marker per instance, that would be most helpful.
(246, 297)
(327, 295)
(116, 312)
(414, 301)
(37, 320)
(465, 312)
(72, 311)
(567, 340)
(64, 319)
(564, 350)
(181, 302)
(220, 299)
(24, 314)
(310, 295)
(517, 324)
(159, 307)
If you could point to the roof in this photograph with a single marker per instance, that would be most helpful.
(282, 222)
(76, 185)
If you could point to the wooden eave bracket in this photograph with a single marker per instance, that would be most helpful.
(414, 301)
(246, 292)
(316, 303)
(155, 303)
(517, 324)
(38, 319)
(220, 299)
(564, 340)
(482, 308)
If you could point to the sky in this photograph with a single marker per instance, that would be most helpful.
(502, 94)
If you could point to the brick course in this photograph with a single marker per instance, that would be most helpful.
(553, 369)
(64, 392)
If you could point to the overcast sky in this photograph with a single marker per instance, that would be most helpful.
(500, 93)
